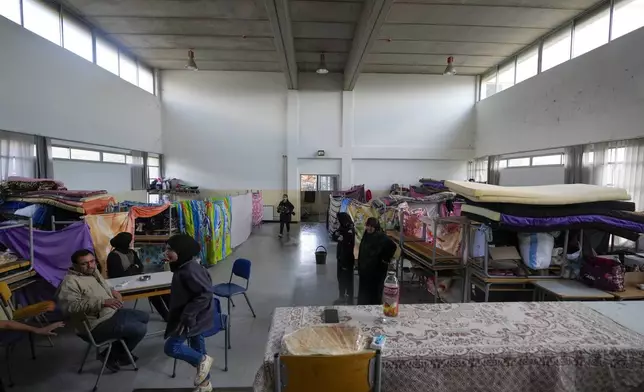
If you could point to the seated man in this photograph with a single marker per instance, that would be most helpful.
(85, 296)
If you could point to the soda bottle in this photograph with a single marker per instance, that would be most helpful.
(390, 295)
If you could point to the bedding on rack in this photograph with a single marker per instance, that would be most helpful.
(560, 194)
(545, 211)
(52, 249)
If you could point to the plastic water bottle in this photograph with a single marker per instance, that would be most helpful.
(391, 295)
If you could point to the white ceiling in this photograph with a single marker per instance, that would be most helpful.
(414, 36)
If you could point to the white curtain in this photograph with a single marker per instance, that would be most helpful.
(477, 170)
(617, 164)
(17, 155)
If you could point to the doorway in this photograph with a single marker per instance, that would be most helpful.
(314, 198)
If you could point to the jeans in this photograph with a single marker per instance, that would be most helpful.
(288, 227)
(131, 325)
(192, 353)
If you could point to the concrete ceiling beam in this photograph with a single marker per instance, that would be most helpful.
(279, 17)
(373, 17)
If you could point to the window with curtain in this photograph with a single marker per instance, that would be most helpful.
(617, 164)
(17, 155)
(478, 170)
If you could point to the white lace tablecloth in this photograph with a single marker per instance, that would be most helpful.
(495, 347)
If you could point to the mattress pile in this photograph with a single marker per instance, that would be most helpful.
(551, 208)
(54, 193)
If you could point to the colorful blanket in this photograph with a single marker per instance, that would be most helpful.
(209, 223)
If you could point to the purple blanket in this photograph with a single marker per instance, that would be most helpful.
(520, 221)
(52, 249)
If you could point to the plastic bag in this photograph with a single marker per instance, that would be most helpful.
(328, 339)
(536, 249)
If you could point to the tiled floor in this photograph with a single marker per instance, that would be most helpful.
(284, 273)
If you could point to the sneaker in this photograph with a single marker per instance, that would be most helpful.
(206, 387)
(203, 370)
(280, 235)
(111, 364)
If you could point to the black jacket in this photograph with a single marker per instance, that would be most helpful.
(285, 209)
(115, 267)
(376, 250)
(191, 303)
(346, 245)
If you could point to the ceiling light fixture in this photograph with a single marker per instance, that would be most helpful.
(191, 65)
(450, 70)
(322, 69)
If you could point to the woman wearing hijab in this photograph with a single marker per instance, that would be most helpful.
(376, 250)
(191, 308)
(123, 261)
(346, 237)
(285, 209)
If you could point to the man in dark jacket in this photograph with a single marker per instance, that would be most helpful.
(286, 210)
(191, 308)
(346, 238)
(376, 251)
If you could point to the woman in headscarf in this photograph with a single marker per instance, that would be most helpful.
(376, 251)
(123, 261)
(346, 237)
(191, 308)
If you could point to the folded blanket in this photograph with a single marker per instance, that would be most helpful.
(71, 194)
(561, 194)
(544, 211)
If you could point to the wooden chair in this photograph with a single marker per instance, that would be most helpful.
(35, 311)
(342, 373)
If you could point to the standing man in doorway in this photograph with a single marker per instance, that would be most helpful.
(286, 210)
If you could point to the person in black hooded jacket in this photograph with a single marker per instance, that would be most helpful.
(123, 261)
(191, 308)
(346, 237)
(376, 250)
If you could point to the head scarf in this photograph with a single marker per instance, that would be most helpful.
(373, 222)
(344, 219)
(122, 241)
(186, 247)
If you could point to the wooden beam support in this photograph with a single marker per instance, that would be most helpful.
(373, 17)
(280, 19)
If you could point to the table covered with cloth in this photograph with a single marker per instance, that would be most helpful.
(495, 347)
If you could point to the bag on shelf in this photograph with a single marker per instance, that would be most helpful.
(536, 249)
(603, 273)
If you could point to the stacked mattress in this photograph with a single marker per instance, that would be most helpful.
(54, 193)
(551, 207)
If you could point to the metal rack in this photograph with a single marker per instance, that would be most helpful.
(430, 257)
(19, 264)
(155, 239)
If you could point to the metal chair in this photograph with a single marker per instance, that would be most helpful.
(89, 338)
(221, 324)
(241, 269)
(361, 372)
(34, 311)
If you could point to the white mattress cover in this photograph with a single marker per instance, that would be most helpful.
(560, 194)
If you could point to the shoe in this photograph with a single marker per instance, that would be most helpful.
(207, 387)
(203, 370)
(280, 235)
(125, 361)
(111, 364)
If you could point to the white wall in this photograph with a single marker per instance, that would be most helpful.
(598, 96)
(225, 130)
(113, 178)
(378, 175)
(428, 111)
(47, 90)
(229, 130)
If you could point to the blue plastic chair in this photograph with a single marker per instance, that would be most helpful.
(221, 324)
(241, 269)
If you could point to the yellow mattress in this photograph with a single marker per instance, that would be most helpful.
(480, 211)
(560, 194)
